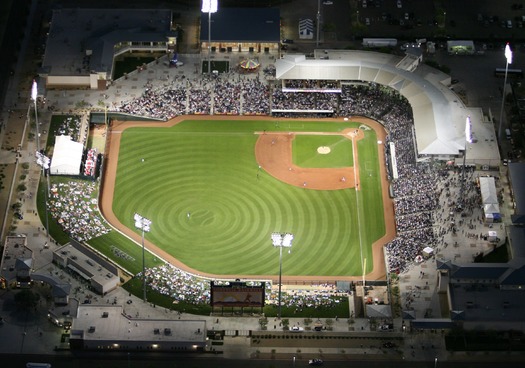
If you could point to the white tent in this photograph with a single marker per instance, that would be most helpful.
(487, 187)
(427, 252)
(491, 208)
(67, 156)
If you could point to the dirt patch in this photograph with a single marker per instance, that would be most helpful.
(273, 153)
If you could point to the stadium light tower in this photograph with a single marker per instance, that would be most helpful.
(508, 57)
(281, 241)
(209, 6)
(468, 139)
(143, 224)
(42, 160)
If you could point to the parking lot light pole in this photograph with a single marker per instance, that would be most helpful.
(143, 224)
(281, 241)
(209, 6)
(318, 21)
(508, 57)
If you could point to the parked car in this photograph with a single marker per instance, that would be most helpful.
(19, 216)
(316, 362)
(399, 4)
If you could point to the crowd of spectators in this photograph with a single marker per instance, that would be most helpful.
(73, 204)
(71, 126)
(223, 94)
(182, 286)
(305, 101)
(177, 284)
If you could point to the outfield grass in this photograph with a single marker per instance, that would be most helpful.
(208, 169)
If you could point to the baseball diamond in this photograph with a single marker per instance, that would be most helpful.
(216, 187)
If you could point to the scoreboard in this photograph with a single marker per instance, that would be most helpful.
(237, 294)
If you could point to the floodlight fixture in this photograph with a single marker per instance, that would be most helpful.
(143, 224)
(281, 241)
(210, 6)
(508, 53)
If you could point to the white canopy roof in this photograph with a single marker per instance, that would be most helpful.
(487, 187)
(67, 156)
(491, 208)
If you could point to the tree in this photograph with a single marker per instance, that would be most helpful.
(26, 299)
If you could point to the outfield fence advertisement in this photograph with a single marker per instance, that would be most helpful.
(237, 294)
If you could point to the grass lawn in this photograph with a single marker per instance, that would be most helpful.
(122, 251)
(129, 64)
(207, 169)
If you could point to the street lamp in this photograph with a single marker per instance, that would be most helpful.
(143, 224)
(281, 241)
(42, 160)
(209, 6)
(508, 57)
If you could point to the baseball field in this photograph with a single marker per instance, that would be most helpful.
(216, 188)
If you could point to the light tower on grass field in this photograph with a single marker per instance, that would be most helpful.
(281, 241)
(143, 224)
(42, 160)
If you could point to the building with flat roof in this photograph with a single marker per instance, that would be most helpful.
(17, 262)
(83, 43)
(100, 273)
(242, 30)
(109, 328)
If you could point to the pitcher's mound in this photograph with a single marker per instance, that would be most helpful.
(323, 150)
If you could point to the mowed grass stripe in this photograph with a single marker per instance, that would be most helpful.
(213, 175)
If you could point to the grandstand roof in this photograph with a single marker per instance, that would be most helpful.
(439, 114)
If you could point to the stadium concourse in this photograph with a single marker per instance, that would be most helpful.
(426, 194)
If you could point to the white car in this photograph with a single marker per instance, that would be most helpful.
(399, 4)
(328, 2)
(296, 329)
